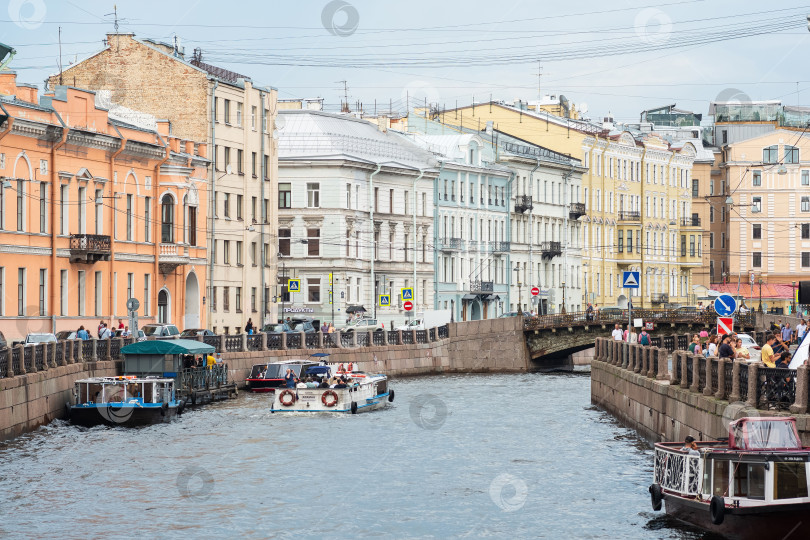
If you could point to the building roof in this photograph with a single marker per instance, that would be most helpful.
(769, 290)
(308, 134)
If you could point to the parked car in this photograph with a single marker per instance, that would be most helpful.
(119, 332)
(40, 338)
(304, 326)
(362, 325)
(66, 334)
(3, 342)
(194, 332)
(160, 330)
(276, 328)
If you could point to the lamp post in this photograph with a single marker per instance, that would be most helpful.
(519, 284)
(792, 297)
(563, 305)
(760, 295)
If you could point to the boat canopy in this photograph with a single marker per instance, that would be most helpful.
(766, 433)
(318, 370)
(168, 346)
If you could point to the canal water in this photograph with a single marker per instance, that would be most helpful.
(499, 456)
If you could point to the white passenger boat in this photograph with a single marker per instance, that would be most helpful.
(362, 392)
(123, 401)
(755, 485)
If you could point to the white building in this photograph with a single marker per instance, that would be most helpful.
(337, 176)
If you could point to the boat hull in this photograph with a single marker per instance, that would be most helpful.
(344, 404)
(774, 521)
(264, 385)
(127, 416)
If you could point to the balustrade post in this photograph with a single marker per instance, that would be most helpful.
(685, 369)
(625, 352)
(663, 365)
(302, 343)
(753, 382)
(651, 356)
(721, 377)
(642, 357)
(51, 359)
(221, 346)
(338, 339)
(617, 353)
(799, 405)
(608, 351)
(34, 358)
(696, 359)
(413, 336)
(354, 339)
(264, 341)
(675, 378)
(635, 351)
(707, 390)
(244, 342)
(320, 340)
(10, 367)
(385, 337)
(108, 349)
(736, 366)
(77, 343)
(46, 348)
(600, 349)
(67, 345)
(283, 341)
(21, 351)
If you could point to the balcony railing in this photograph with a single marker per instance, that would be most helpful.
(452, 244)
(693, 221)
(482, 287)
(172, 256)
(629, 216)
(523, 203)
(499, 247)
(89, 248)
(577, 210)
(550, 249)
(659, 298)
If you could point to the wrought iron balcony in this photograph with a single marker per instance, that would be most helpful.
(482, 287)
(693, 221)
(577, 210)
(659, 298)
(452, 244)
(550, 249)
(172, 256)
(499, 247)
(523, 203)
(89, 248)
(629, 216)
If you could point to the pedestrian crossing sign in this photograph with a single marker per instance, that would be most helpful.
(294, 285)
(631, 279)
(385, 299)
(407, 293)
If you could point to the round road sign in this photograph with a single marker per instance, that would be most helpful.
(535, 291)
(408, 305)
(133, 304)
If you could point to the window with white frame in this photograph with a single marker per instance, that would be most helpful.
(756, 204)
(313, 195)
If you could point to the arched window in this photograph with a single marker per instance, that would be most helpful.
(167, 219)
(163, 307)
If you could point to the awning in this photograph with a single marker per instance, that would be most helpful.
(492, 297)
(168, 346)
(468, 297)
(355, 309)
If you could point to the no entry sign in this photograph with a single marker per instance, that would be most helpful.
(725, 325)
(535, 291)
(408, 305)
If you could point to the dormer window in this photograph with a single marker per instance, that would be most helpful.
(770, 154)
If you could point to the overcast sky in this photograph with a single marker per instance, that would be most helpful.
(622, 56)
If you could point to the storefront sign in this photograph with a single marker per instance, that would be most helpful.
(298, 310)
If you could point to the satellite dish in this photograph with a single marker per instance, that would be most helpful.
(229, 169)
(281, 122)
(583, 108)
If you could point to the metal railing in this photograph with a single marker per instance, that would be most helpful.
(421, 336)
(678, 471)
(776, 387)
(620, 316)
(550, 249)
(577, 210)
(4, 363)
(693, 221)
(254, 342)
(407, 338)
(499, 247)
(523, 203)
(233, 343)
(294, 341)
(625, 215)
(274, 342)
(478, 286)
(378, 337)
(444, 332)
(214, 341)
(312, 341)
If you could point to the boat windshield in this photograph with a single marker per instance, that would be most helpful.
(761, 434)
(268, 371)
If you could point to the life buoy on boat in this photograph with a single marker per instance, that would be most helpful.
(350, 368)
(354, 407)
(656, 496)
(286, 393)
(718, 509)
(340, 369)
(333, 398)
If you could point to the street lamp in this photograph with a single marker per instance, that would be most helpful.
(332, 296)
(760, 295)
(563, 306)
(519, 284)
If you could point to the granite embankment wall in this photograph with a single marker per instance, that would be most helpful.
(34, 398)
(666, 399)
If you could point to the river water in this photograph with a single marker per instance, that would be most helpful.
(499, 456)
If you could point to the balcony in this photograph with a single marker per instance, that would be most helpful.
(523, 203)
(550, 249)
(499, 247)
(693, 221)
(659, 298)
(172, 256)
(577, 210)
(451, 244)
(89, 248)
(629, 216)
(482, 287)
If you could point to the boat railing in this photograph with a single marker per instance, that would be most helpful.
(678, 471)
(203, 377)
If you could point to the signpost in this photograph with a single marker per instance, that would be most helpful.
(725, 325)
(385, 300)
(408, 305)
(631, 279)
(535, 291)
(133, 305)
(294, 285)
(725, 305)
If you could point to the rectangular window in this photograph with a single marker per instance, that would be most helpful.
(391, 199)
(147, 218)
(63, 293)
(314, 195)
(621, 241)
(253, 299)
(240, 161)
(805, 231)
(64, 212)
(313, 242)
(314, 290)
(722, 240)
(691, 245)
(756, 259)
(238, 114)
(805, 204)
(284, 195)
(21, 292)
(791, 154)
(253, 165)
(770, 154)
(226, 298)
(683, 245)
(42, 291)
(805, 259)
(98, 294)
(226, 205)
(129, 216)
(806, 178)
(227, 158)
(695, 187)
(284, 242)
(213, 298)
(789, 480)
(239, 207)
(253, 248)
(147, 294)
(629, 241)
(81, 291)
(253, 118)
(757, 179)
(265, 165)
(253, 202)
(239, 299)
(239, 253)
(756, 233)
(42, 207)
(226, 252)
(227, 112)
(756, 204)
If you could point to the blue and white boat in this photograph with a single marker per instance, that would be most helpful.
(123, 401)
(362, 392)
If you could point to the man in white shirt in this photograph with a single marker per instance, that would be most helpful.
(801, 329)
(617, 334)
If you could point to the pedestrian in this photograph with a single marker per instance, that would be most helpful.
(632, 337)
(82, 333)
(289, 379)
(120, 324)
(219, 358)
(617, 333)
(725, 350)
(324, 328)
(644, 338)
(331, 329)
(589, 312)
(787, 334)
(100, 328)
(249, 326)
(801, 329)
(105, 332)
(126, 332)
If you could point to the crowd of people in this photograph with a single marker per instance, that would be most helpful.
(293, 381)
(104, 332)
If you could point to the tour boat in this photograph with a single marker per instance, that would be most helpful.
(754, 485)
(268, 376)
(365, 392)
(123, 401)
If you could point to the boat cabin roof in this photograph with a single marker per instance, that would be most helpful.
(764, 433)
(124, 380)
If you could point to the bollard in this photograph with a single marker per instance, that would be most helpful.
(802, 382)
(283, 341)
(721, 377)
(685, 369)
(707, 390)
(663, 365)
(264, 341)
(736, 366)
(651, 357)
(696, 359)
(753, 376)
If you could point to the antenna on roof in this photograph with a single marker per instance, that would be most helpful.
(60, 56)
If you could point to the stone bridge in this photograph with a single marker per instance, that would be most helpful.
(552, 339)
